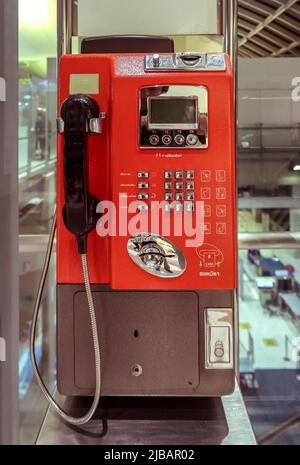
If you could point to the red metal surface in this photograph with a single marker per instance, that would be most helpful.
(116, 155)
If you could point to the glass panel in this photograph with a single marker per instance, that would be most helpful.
(37, 165)
(264, 138)
(269, 193)
(270, 336)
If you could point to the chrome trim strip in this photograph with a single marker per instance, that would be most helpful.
(177, 62)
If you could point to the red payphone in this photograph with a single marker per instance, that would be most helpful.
(146, 225)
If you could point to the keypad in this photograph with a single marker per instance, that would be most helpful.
(180, 187)
(182, 190)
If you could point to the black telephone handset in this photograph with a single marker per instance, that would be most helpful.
(79, 212)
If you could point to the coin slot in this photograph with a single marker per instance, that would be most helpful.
(190, 60)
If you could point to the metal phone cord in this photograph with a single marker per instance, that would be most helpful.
(68, 418)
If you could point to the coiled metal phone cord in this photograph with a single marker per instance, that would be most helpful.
(70, 419)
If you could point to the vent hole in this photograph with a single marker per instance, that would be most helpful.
(136, 333)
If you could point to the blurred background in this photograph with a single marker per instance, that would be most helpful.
(268, 191)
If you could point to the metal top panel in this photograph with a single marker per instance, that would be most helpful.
(186, 61)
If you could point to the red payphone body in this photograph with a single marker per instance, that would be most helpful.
(164, 301)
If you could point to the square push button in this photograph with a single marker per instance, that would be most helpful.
(168, 174)
(179, 174)
(143, 175)
(179, 186)
(143, 185)
(190, 175)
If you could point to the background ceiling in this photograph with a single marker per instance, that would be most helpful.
(269, 28)
(37, 35)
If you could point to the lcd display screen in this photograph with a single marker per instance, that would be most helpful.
(177, 112)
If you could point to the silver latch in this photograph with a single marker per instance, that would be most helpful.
(60, 124)
(94, 125)
(219, 339)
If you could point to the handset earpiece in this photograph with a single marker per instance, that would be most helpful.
(78, 113)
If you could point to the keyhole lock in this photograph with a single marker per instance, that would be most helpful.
(137, 371)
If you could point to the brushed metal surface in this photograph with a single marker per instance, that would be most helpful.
(155, 422)
(181, 62)
(239, 426)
